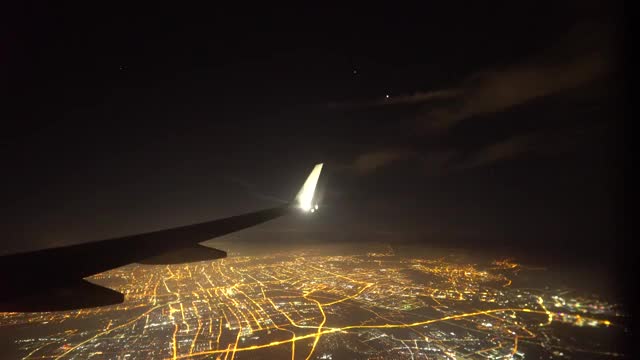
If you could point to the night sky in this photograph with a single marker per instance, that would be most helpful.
(501, 128)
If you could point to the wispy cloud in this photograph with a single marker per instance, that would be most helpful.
(503, 150)
(494, 91)
(369, 162)
(415, 98)
(537, 143)
(577, 59)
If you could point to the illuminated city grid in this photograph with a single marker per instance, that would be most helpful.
(306, 306)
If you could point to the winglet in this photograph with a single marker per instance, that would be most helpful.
(304, 198)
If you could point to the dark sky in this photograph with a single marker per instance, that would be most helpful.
(500, 129)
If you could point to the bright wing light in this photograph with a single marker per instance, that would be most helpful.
(305, 195)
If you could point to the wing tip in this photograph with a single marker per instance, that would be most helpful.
(304, 198)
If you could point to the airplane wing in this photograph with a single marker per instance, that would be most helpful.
(52, 279)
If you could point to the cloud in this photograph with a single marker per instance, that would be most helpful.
(439, 162)
(369, 162)
(539, 143)
(577, 59)
(419, 97)
(494, 91)
(580, 58)
(499, 151)
(415, 98)
(446, 160)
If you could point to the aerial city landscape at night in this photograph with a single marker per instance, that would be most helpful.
(305, 305)
(236, 180)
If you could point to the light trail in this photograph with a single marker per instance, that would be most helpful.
(195, 338)
(515, 346)
(350, 327)
(37, 349)
(319, 333)
(174, 343)
(549, 313)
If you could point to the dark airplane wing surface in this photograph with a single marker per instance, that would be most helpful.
(53, 279)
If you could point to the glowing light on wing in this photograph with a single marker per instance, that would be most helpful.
(305, 195)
